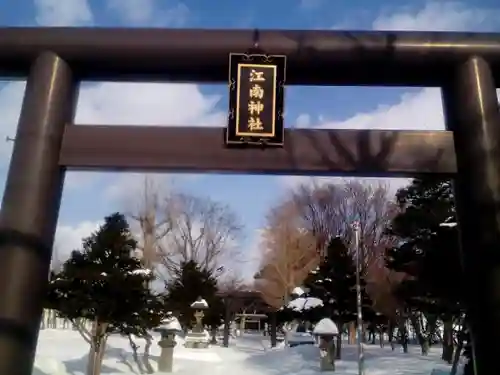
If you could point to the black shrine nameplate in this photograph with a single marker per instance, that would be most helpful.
(256, 100)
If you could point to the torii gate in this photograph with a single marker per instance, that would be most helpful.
(47, 143)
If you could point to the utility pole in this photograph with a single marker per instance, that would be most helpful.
(359, 326)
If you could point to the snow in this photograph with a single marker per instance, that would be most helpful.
(172, 324)
(326, 327)
(206, 337)
(141, 271)
(201, 303)
(138, 271)
(298, 291)
(449, 222)
(64, 352)
(304, 303)
(450, 225)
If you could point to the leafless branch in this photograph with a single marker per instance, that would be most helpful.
(330, 210)
(200, 230)
(84, 332)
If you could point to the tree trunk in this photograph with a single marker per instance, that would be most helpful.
(390, 333)
(135, 355)
(352, 333)
(146, 355)
(97, 348)
(448, 347)
(338, 346)
(403, 335)
(423, 340)
(213, 333)
(456, 356)
(273, 330)
(381, 336)
(227, 322)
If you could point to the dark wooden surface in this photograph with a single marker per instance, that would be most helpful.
(317, 57)
(306, 151)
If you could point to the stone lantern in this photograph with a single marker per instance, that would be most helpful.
(167, 329)
(326, 330)
(197, 337)
(199, 305)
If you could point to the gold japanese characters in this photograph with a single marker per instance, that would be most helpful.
(255, 104)
(256, 100)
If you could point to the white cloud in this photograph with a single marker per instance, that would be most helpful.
(114, 103)
(63, 13)
(80, 180)
(416, 111)
(150, 12)
(69, 238)
(147, 104)
(123, 104)
(303, 121)
(438, 16)
(421, 110)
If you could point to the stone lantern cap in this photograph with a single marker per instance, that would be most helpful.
(326, 327)
(169, 325)
(199, 304)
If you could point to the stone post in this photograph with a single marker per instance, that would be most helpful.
(167, 345)
(327, 353)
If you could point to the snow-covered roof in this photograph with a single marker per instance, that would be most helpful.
(171, 323)
(200, 304)
(304, 303)
(326, 327)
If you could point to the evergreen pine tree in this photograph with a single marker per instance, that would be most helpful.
(189, 283)
(105, 284)
(429, 248)
(429, 253)
(334, 282)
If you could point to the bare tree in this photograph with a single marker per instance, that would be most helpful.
(152, 227)
(289, 253)
(231, 282)
(199, 229)
(330, 210)
(150, 224)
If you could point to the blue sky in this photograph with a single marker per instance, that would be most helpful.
(89, 197)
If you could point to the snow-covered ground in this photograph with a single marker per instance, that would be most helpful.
(63, 352)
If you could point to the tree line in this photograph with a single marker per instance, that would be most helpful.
(409, 261)
(141, 269)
